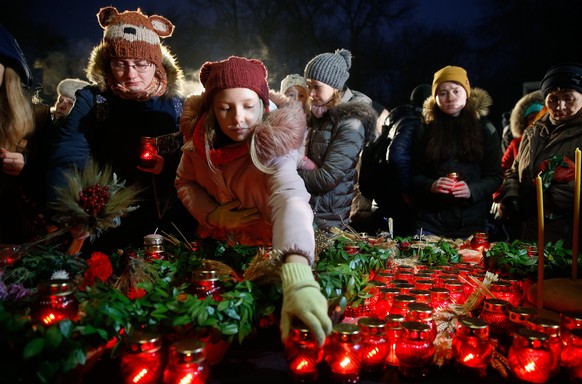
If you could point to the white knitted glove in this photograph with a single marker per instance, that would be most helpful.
(302, 299)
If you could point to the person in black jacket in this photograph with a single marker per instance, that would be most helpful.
(456, 158)
(388, 159)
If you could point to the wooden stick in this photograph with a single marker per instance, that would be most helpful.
(540, 197)
(576, 226)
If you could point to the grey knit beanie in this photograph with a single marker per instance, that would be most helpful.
(332, 69)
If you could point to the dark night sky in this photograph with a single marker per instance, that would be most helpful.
(77, 18)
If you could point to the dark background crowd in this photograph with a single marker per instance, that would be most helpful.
(396, 44)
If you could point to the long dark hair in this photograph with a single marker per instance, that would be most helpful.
(458, 137)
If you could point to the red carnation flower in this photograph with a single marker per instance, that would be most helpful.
(99, 268)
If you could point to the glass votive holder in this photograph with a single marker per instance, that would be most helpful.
(424, 284)
(420, 295)
(55, 301)
(456, 291)
(552, 329)
(414, 350)
(440, 298)
(343, 353)
(148, 151)
(153, 245)
(503, 290)
(496, 313)
(480, 242)
(568, 322)
(385, 300)
(393, 331)
(375, 343)
(471, 347)
(571, 356)
(518, 317)
(400, 304)
(206, 282)
(302, 353)
(142, 357)
(422, 312)
(529, 357)
(187, 363)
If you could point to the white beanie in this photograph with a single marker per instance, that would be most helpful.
(68, 87)
(291, 80)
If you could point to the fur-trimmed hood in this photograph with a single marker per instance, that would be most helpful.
(356, 109)
(479, 98)
(517, 120)
(96, 71)
(280, 131)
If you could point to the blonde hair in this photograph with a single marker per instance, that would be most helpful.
(16, 114)
(210, 126)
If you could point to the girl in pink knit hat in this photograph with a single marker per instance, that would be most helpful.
(238, 178)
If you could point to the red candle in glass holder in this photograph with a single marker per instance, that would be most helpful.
(384, 277)
(518, 317)
(187, 363)
(385, 300)
(206, 283)
(142, 357)
(552, 329)
(568, 322)
(480, 242)
(503, 290)
(496, 313)
(400, 304)
(302, 353)
(153, 246)
(571, 356)
(343, 353)
(420, 295)
(471, 347)
(425, 284)
(440, 298)
(375, 343)
(56, 301)
(529, 357)
(148, 151)
(393, 331)
(456, 291)
(414, 350)
(422, 312)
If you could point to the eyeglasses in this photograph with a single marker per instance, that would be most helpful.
(122, 66)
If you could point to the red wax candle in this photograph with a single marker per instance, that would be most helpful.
(375, 343)
(148, 151)
(414, 350)
(187, 363)
(385, 300)
(393, 331)
(206, 283)
(302, 353)
(530, 358)
(142, 357)
(568, 322)
(401, 303)
(439, 298)
(56, 301)
(552, 329)
(571, 356)
(422, 312)
(343, 353)
(471, 347)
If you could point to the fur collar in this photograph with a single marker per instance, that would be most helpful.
(362, 111)
(280, 131)
(517, 121)
(96, 71)
(479, 97)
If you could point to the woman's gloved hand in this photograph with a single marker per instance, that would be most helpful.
(302, 299)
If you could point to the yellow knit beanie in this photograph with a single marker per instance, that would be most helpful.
(451, 73)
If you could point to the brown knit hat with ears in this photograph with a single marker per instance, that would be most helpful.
(133, 35)
(451, 73)
(235, 72)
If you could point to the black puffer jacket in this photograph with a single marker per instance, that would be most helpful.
(445, 215)
(334, 143)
